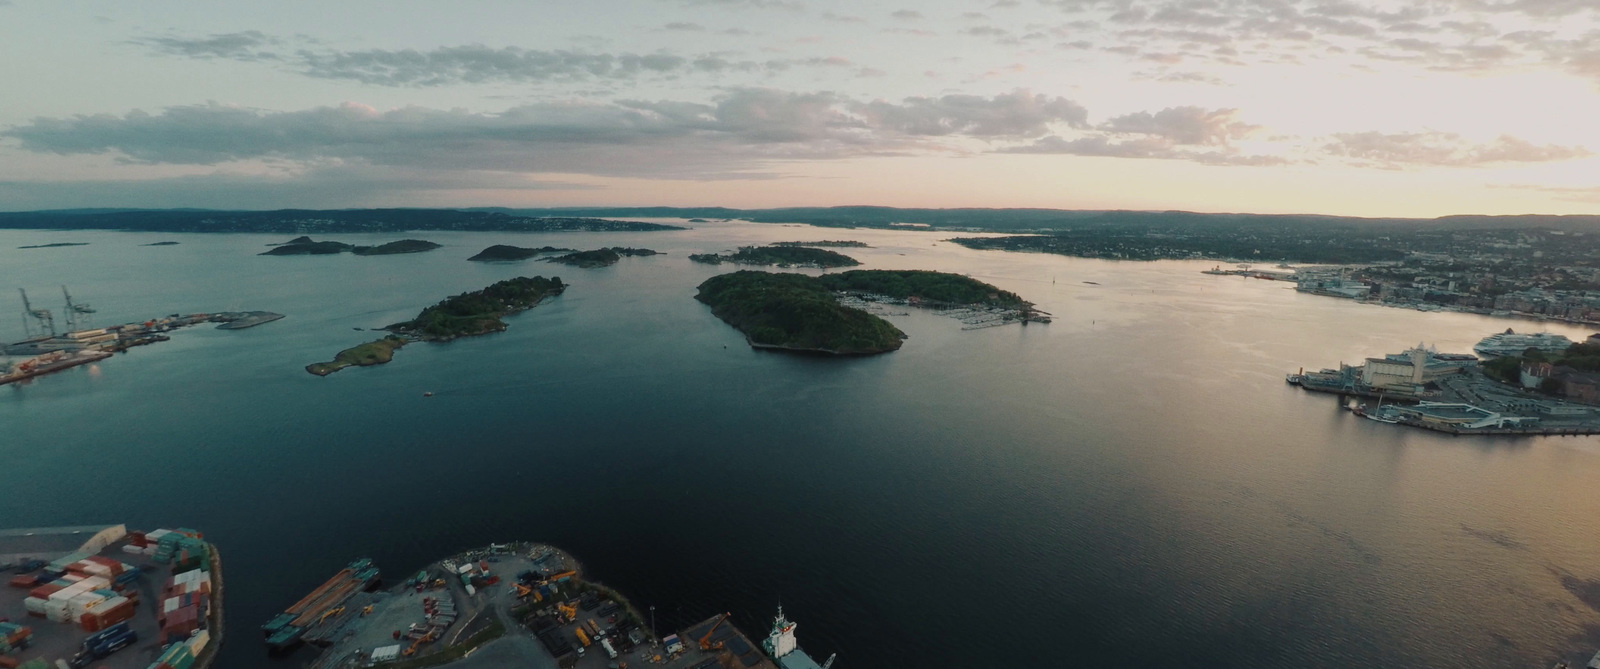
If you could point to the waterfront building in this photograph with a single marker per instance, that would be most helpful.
(1411, 370)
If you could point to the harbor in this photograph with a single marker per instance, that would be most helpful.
(1456, 394)
(47, 351)
(106, 596)
(518, 604)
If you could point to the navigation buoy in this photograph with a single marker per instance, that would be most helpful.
(427, 393)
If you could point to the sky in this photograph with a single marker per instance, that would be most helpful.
(1348, 107)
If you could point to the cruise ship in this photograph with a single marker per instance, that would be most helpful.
(1509, 343)
(783, 647)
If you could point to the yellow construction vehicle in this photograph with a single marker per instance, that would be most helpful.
(568, 611)
(329, 614)
(366, 611)
(582, 638)
(522, 590)
(705, 641)
(428, 638)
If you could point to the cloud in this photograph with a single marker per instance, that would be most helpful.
(683, 26)
(1473, 36)
(735, 135)
(1016, 114)
(784, 5)
(249, 45)
(1438, 149)
(907, 15)
(1184, 125)
(1142, 147)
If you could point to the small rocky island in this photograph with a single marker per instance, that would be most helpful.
(782, 256)
(503, 253)
(301, 246)
(370, 353)
(160, 244)
(599, 257)
(795, 312)
(54, 245)
(465, 315)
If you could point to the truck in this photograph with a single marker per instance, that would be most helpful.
(102, 644)
(606, 644)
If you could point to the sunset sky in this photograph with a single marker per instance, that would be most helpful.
(1357, 107)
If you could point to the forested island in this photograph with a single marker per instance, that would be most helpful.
(314, 221)
(54, 245)
(300, 246)
(160, 244)
(782, 256)
(370, 353)
(465, 315)
(505, 253)
(924, 287)
(599, 257)
(479, 312)
(795, 312)
(828, 243)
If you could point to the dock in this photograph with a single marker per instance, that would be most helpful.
(327, 601)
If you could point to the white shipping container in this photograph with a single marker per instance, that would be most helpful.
(56, 610)
(156, 535)
(35, 605)
(79, 605)
(107, 605)
(135, 550)
(198, 642)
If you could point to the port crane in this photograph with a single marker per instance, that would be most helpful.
(47, 322)
(76, 310)
(705, 641)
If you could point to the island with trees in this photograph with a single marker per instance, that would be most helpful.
(507, 253)
(370, 353)
(465, 315)
(599, 257)
(828, 243)
(795, 312)
(782, 256)
(973, 302)
(301, 246)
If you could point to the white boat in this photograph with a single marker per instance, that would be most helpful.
(1510, 343)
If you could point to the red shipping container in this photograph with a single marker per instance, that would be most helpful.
(44, 591)
(136, 538)
(8, 662)
(94, 623)
(24, 581)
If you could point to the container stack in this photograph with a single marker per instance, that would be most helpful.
(175, 656)
(14, 637)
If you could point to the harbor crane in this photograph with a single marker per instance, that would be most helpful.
(47, 322)
(74, 310)
(705, 641)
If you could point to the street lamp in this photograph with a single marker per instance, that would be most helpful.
(653, 638)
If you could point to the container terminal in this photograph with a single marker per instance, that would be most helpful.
(46, 351)
(1452, 394)
(107, 597)
(509, 605)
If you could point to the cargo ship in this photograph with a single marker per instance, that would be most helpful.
(783, 647)
(287, 629)
(50, 362)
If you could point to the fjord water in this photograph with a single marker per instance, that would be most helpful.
(1133, 485)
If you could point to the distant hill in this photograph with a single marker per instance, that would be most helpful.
(598, 219)
(311, 221)
(1015, 220)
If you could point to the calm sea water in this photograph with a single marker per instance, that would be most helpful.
(1133, 485)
